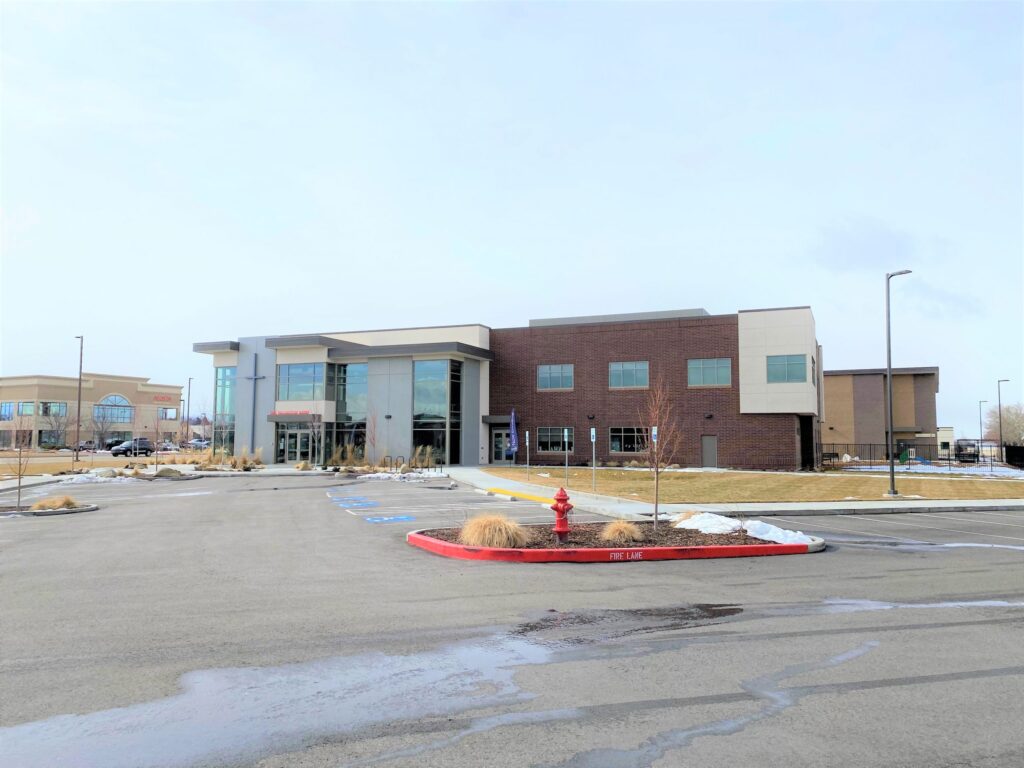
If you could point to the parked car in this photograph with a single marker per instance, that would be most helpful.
(111, 443)
(199, 443)
(140, 446)
(167, 445)
(87, 445)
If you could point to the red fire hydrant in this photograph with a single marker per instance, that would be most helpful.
(561, 507)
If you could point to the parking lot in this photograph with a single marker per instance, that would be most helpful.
(266, 621)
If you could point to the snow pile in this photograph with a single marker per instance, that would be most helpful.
(406, 477)
(706, 522)
(82, 479)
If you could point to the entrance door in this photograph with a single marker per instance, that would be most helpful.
(296, 446)
(709, 450)
(499, 446)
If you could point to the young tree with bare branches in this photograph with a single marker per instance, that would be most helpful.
(56, 421)
(657, 413)
(22, 453)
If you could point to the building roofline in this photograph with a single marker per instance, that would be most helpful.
(921, 369)
(621, 317)
(401, 350)
(209, 347)
(773, 309)
(86, 377)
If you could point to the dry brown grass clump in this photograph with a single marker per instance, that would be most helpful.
(621, 533)
(56, 502)
(168, 472)
(302, 466)
(493, 531)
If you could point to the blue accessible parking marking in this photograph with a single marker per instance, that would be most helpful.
(393, 519)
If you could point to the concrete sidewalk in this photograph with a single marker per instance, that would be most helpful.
(30, 481)
(642, 510)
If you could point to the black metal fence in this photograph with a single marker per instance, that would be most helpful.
(961, 453)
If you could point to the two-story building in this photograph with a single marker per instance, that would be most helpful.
(746, 389)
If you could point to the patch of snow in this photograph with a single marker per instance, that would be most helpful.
(83, 479)
(406, 477)
(708, 522)
(543, 474)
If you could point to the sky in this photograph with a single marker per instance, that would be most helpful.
(182, 172)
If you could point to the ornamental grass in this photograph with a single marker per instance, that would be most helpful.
(493, 531)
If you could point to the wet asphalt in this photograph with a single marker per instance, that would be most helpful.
(284, 622)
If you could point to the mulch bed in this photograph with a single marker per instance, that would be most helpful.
(588, 536)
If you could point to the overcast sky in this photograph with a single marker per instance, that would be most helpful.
(174, 173)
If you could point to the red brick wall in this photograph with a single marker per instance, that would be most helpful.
(762, 441)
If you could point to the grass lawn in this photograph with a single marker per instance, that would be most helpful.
(725, 487)
(50, 463)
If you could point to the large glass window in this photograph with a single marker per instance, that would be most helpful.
(224, 409)
(787, 368)
(26, 409)
(6, 438)
(553, 439)
(7, 411)
(168, 414)
(300, 381)
(430, 406)
(627, 439)
(709, 372)
(113, 409)
(53, 409)
(623, 375)
(352, 385)
(555, 376)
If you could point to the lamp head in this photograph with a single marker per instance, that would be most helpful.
(895, 274)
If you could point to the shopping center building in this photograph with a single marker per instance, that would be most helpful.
(746, 390)
(40, 411)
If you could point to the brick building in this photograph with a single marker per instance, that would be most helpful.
(746, 389)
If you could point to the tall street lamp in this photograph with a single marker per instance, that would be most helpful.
(981, 432)
(999, 398)
(78, 411)
(188, 412)
(888, 380)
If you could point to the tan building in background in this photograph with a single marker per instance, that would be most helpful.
(39, 411)
(855, 410)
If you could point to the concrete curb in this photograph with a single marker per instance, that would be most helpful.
(34, 484)
(75, 510)
(606, 555)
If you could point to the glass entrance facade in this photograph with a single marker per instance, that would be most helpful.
(437, 409)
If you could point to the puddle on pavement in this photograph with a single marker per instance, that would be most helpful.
(243, 714)
(912, 545)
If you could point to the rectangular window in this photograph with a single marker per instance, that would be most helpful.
(168, 414)
(709, 372)
(53, 409)
(6, 439)
(26, 409)
(625, 375)
(787, 368)
(552, 439)
(7, 411)
(352, 389)
(627, 439)
(300, 381)
(555, 376)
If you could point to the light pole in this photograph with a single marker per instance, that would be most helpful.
(981, 433)
(78, 411)
(888, 381)
(188, 411)
(999, 399)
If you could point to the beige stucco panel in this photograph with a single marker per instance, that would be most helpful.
(475, 335)
(776, 332)
(293, 355)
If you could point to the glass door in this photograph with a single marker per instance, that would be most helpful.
(291, 447)
(500, 446)
(304, 446)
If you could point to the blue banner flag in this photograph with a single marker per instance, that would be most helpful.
(513, 433)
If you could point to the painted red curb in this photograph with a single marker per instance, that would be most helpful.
(593, 555)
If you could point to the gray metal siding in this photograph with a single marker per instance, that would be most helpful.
(390, 393)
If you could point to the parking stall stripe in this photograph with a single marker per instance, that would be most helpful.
(880, 519)
(831, 527)
(970, 520)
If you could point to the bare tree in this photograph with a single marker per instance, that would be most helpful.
(316, 426)
(101, 422)
(1013, 424)
(371, 436)
(18, 463)
(56, 421)
(656, 413)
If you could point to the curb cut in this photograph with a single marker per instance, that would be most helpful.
(603, 555)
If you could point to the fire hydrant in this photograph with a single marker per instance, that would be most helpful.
(561, 508)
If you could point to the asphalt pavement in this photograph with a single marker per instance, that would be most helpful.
(284, 622)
